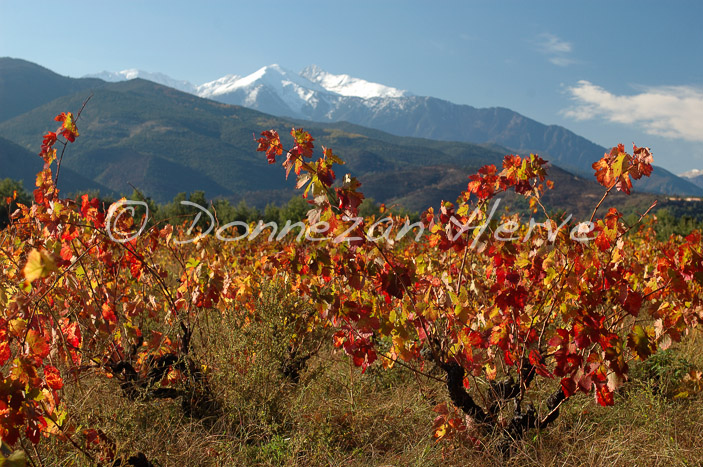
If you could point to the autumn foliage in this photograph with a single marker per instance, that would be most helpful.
(500, 301)
(493, 307)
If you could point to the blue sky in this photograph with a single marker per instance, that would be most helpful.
(616, 71)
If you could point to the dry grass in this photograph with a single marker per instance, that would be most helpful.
(336, 416)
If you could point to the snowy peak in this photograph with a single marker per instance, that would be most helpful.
(694, 176)
(692, 173)
(312, 93)
(309, 88)
(272, 75)
(110, 76)
(219, 86)
(292, 89)
(133, 73)
(345, 85)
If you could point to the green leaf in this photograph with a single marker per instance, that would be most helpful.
(617, 166)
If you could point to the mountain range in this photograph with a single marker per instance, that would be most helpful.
(314, 94)
(138, 133)
(19, 163)
(695, 176)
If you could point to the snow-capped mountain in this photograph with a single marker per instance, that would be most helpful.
(314, 94)
(345, 85)
(694, 176)
(271, 89)
(132, 73)
(692, 173)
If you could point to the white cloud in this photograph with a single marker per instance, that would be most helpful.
(669, 111)
(555, 48)
(552, 44)
(562, 61)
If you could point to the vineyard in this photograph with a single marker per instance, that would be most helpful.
(471, 334)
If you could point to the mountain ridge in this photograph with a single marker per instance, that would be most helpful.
(137, 119)
(31, 85)
(160, 130)
(314, 94)
(695, 176)
(163, 142)
(22, 165)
